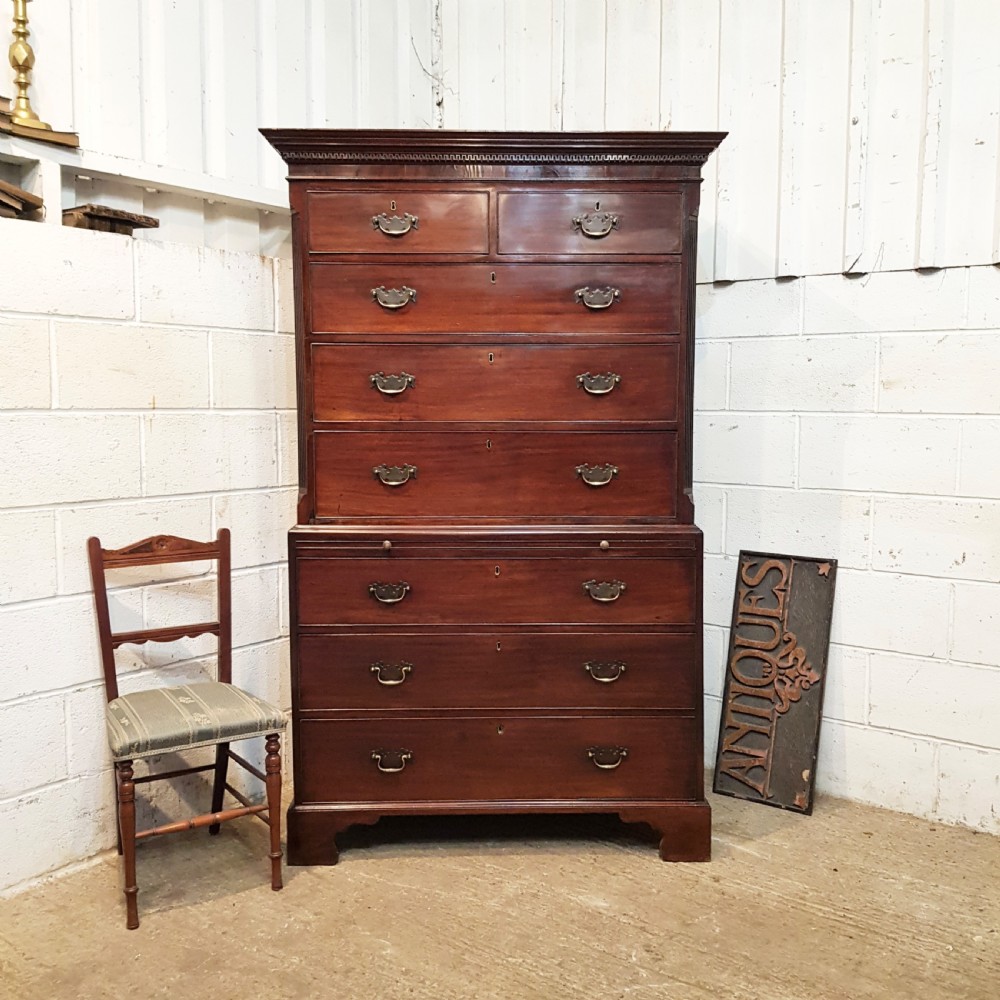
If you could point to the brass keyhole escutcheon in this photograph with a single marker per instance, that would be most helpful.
(490, 356)
(498, 647)
(597, 206)
(493, 277)
(496, 570)
(500, 730)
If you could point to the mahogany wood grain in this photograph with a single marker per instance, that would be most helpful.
(648, 670)
(486, 474)
(504, 757)
(492, 298)
(496, 382)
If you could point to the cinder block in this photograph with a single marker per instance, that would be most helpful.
(263, 670)
(284, 614)
(65, 458)
(711, 375)
(284, 296)
(195, 286)
(885, 301)
(87, 750)
(253, 371)
(38, 760)
(200, 453)
(882, 454)
(179, 602)
(744, 448)
(716, 646)
(288, 449)
(713, 714)
(259, 523)
(65, 271)
(120, 524)
(255, 606)
(976, 626)
(979, 475)
(969, 787)
(27, 556)
(112, 367)
(870, 765)
(802, 374)
(954, 538)
(984, 296)
(940, 373)
(26, 382)
(951, 701)
(720, 584)
(904, 614)
(749, 309)
(845, 692)
(800, 522)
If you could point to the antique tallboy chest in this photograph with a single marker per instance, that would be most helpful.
(495, 578)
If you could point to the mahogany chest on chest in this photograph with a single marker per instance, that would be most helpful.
(495, 576)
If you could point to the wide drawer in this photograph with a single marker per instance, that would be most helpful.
(630, 382)
(590, 222)
(497, 758)
(476, 588)
(398, 222)
(407, 473)
(485, 298)
(386, 671)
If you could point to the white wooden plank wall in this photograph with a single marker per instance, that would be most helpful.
(864, 134)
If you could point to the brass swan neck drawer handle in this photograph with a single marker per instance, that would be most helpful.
(390, 674)
(395, 760)
(596, 225)
(392, 385)
(598, 385)
(394, 298)
(388, 593)
(598, 298)
(394, 475)
(597, 475)
(605, 673)
(393, 225)
(607, 758)
(604, 592)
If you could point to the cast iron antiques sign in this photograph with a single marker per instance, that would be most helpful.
(772, 697)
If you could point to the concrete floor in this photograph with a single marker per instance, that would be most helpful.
(851, 902)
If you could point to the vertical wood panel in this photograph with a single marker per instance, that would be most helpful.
(632, 93)
(529, 100)
(862, 18)
(51, 28)
(477, 65)
(584, 71)
(334, 69)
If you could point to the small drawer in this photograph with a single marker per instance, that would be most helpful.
(408, 382)
(392, 671)
(474, 588)
(420, 473)
(499, 758)
(410, 222)
(576, 299)
(590, 222)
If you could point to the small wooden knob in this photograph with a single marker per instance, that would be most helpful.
(605, 545)
(387, 545)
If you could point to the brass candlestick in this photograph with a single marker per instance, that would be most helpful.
(22, 59)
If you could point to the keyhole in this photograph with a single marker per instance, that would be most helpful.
(597, 206)
(489, 444)
(496, 570)
(490, 355)
(498, 647)
(493, 277)
(500, 730)
(392, 206)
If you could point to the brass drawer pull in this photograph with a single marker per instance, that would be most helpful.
(390, 674)
(598, 298)
(596, 225)
(394, 298)
(606, 673)
(393, 225)
(607, 758)
(388, 593)
(396, 760)
(598, 385)
(394, 475)
(392, 385)
(604, 592)
(597, 475)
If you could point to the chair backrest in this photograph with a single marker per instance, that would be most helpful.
(154, 551)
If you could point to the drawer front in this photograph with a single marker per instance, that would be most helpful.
(454, 758)
(392, 671)
(408, 222)
(497, 591)
(503, 474)
(591, 221)
(496, 382)
(484, 298)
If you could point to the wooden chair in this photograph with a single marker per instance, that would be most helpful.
(163, 720)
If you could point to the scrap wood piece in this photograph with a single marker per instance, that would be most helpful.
(107, 220)
(772, 697)
(15, 202)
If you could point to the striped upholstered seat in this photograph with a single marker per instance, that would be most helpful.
(167, 719)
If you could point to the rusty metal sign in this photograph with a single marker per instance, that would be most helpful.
(772, 698)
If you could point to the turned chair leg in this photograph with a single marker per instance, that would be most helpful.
(272, 768)
(126, 834)
(118, 817)
(219, 785)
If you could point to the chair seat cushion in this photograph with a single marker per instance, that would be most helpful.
(163, 720)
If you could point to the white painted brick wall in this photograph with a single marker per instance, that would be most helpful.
(146, 388)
